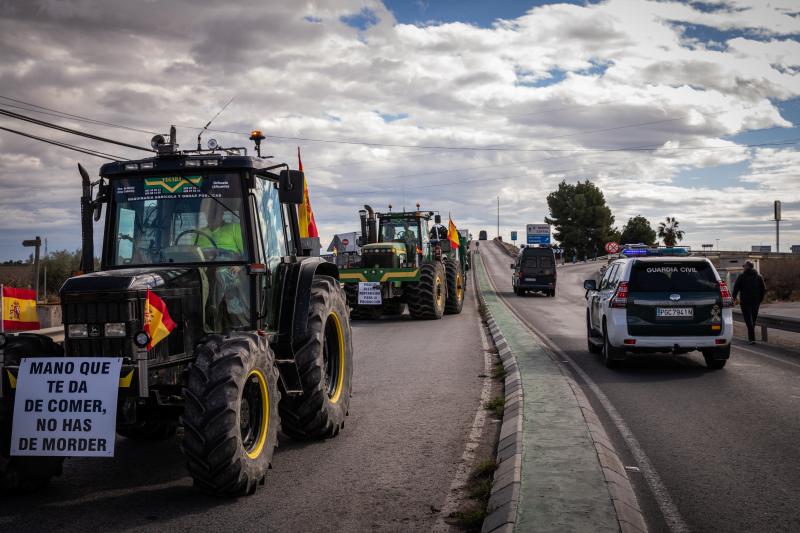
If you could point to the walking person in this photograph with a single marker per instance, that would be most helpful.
(751, 289)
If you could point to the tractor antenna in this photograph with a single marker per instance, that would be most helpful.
(199, 135)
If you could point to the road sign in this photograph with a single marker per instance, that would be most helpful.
(513, 235)
(538, 233)
(777, 210)
(612, 248)
(345, 241)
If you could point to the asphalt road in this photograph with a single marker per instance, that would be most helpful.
(416, 389)
(723, 443)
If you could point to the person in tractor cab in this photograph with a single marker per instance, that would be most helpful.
(221, 234)
(438, 231)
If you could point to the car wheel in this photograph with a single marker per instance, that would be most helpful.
(611, 355)
(593, 348)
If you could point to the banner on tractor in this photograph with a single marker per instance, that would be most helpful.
(308, 226)
(66, 406)
(18, 309)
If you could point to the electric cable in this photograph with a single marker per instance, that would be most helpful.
(87, 151)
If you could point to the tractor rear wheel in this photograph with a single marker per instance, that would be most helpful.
(231, 415)
(426, 298)
(325, 362)
(455, 288)
(23, 474)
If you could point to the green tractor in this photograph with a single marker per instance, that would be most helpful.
(258, 333)
(404, 262)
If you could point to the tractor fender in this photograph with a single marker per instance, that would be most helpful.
(296, 301)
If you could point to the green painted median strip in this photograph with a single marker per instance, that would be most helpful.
(563, 488)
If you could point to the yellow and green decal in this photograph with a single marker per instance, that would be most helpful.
(173, 184)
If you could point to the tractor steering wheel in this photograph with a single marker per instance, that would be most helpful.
(199, 233)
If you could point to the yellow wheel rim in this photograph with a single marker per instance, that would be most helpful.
(459, 287)
(439, 291)
(258, 446)
(339, 331)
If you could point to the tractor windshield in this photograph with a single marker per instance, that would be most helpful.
(181, 219)
(399, 230)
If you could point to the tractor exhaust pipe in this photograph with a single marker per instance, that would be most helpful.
(87, 231)
(372, 226)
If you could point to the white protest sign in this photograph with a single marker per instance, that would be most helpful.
(369, 293)
(66, 406)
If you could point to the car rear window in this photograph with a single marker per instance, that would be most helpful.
(672, 277)
(532, 262)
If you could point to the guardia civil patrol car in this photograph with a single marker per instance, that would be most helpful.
(655, 299)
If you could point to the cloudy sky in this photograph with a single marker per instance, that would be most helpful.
(685, 109)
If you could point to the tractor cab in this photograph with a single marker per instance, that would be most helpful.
(400, 239)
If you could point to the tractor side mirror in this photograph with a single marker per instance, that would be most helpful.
(360, 241)
(291, 187)
(512, 266)
(590, 285)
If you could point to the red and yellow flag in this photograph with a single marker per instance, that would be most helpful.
(18, 309)
(308, 226)
(452, 234)
(157, 322)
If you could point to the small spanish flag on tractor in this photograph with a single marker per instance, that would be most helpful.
(18, 309)
(452, 234)
(157, 322)
(308, 226)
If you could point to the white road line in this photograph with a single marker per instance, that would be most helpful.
(669, 510)
(456, 492)
(768, 356)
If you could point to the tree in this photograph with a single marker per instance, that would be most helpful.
(582, 220)
(638, 230)
(668, 231)
(61, 265)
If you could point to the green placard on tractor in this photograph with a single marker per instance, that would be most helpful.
(406, 262)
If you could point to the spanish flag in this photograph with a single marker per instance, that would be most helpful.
(308, 226)
(18, 309)
(157, 322)
(452, 234)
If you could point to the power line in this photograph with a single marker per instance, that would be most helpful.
(80, 149)
(63, 114)
(32, 120)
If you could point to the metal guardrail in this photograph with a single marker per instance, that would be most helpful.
(765, 322)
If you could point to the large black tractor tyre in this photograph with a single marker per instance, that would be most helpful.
(360, 312)
(427, 297)
(23, 474)
(325, 362)
(231, 415)
(455, 288)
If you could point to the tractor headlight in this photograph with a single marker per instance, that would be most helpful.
(77, 331)
(115, 329)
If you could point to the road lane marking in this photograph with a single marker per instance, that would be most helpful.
(665, 503)
(454, 495)
(768, 356)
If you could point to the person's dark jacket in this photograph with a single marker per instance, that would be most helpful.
(750, 287)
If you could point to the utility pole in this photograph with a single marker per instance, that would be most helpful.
(777, 226)
(498, 216)
(44, 293)
(35, 243)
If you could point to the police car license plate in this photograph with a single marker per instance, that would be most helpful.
(674, 312)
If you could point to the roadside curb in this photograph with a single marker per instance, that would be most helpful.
(507, 481)
(504, 500)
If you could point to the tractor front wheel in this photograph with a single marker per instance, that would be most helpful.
(426, 299)
(231, 415)
(23, 474)
(325, 363)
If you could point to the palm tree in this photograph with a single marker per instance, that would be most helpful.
(669, 232)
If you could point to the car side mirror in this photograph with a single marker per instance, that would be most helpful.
(291, 187)
(590, 285)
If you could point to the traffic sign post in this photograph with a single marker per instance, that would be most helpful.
(514, 237)
(538, 234)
